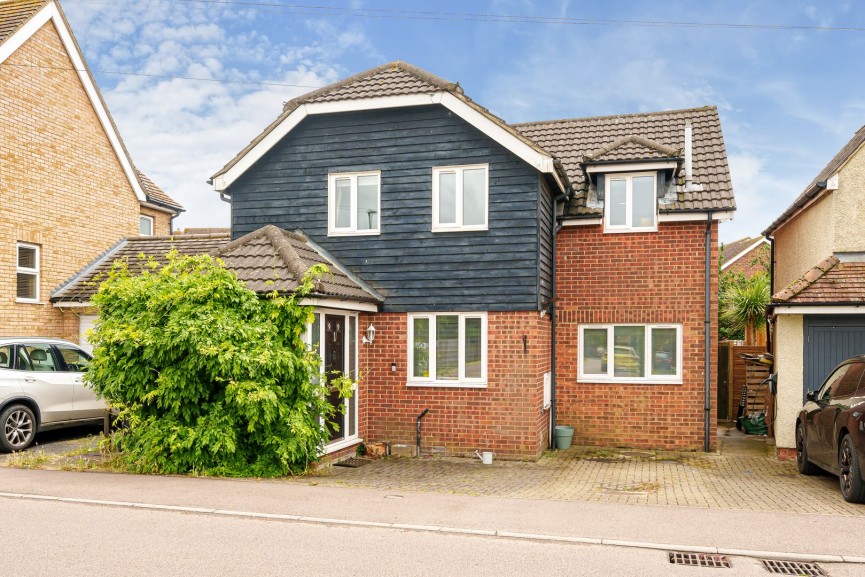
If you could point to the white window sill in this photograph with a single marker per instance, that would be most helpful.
(29, 301)
(446, 384)
(333, 447)
(630, 230)
(603, 380)
(460, 228)
(354, 233)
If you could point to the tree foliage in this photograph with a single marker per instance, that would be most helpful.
(208, 376)
(740, 297)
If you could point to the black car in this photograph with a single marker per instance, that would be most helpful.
(830, 430)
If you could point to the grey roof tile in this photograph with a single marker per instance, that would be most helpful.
(15, 13)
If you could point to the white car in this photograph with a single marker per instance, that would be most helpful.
(41, 388)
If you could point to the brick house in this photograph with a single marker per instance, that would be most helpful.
(748, 256)
(553, 272)
(69, 187)
(818, 275)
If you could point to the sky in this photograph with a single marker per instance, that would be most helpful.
(191, 82)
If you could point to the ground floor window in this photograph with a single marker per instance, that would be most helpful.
(334, 335)
(631, 353)
(447, 349)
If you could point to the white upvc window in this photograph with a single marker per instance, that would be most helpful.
(145, 225)
(631, 202)
(447, 349)
(354, 203)
(630, 353)
(460, 198)
(27, 269)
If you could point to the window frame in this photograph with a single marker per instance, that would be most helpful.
(458, 200)
(37, 271)
(462, 381)
(628, 177)
(610, 377)
(143, 217)
(351, 230)
(346, 440)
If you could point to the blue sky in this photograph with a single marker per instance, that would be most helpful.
(790, 92)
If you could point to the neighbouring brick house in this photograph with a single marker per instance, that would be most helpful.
(748, 256)
(68, 185)
(818, 284)
(477, 235)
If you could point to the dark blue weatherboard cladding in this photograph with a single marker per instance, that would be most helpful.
(545, 240)
(828, 341)
(414, 268)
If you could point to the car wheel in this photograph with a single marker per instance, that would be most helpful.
(805, 466)
(19, 428)
(852, 488)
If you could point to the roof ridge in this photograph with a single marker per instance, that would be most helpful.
(809, 278)
(633, 138)
(177, 237)
(609, 116)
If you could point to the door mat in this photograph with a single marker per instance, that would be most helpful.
(353, 463)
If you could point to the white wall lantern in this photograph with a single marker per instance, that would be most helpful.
(370, 335)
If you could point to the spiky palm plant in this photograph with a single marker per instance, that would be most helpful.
(744, 304)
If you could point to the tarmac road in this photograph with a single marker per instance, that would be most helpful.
(46, 536)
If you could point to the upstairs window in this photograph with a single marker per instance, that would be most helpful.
(631, 202)
(27, 270)
(460, 197)
(354, 203)
(145, 225)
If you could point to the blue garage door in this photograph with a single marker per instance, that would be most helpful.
(828, 341)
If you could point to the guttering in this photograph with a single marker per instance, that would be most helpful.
(554, 229)
(707, 404)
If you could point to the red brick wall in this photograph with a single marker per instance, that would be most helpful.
(636, 278)
(506, 417)
(754, 261)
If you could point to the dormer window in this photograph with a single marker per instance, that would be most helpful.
(631, 202)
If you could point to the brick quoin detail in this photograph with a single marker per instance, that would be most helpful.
(636, 278)
(506, 417)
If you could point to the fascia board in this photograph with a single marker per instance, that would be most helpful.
(543, 163)
(50, 13)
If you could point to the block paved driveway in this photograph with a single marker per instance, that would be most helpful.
(717, 481)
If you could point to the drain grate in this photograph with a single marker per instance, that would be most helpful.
(792, 568)
(699, 560)
(352, 463)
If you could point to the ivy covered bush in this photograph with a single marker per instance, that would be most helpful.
(208, 377)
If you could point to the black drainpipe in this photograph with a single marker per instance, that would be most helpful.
(552, 311)
(707, 406)
(769, 339)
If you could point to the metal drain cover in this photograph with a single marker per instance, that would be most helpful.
(792, 568)
(352, 463)
(699, 559)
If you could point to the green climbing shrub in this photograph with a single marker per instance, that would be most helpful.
(208, 377)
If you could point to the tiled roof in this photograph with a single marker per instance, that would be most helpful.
(154, 193)
(732, 249)
(812, 190)
(271, 259)
(85, 284)
(632, 148)
(392, 79)
(575, 140)
(202, 230)
(14, 13)
(830, 282)
(266, 260)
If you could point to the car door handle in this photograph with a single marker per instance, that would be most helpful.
(30, 379)
(78, 380)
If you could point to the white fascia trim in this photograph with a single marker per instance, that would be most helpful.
(582, 221)
(344, 305)
(72, 305)
(721, 216)
(540, 161)
(50, 12)
(820, 310)
(629, 167)
(744, 252)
